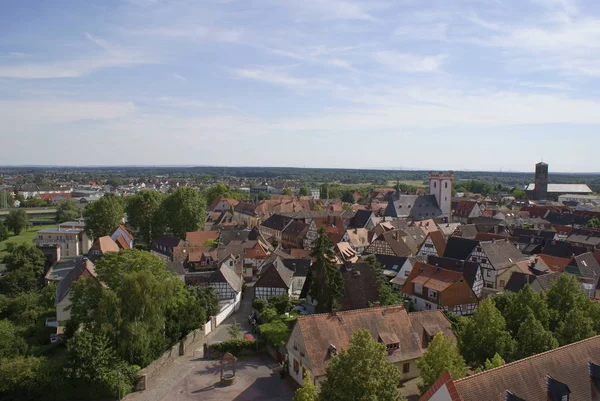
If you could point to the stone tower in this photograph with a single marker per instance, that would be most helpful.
(440, 185)
(541, 181)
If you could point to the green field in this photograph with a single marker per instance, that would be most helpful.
(24, 237)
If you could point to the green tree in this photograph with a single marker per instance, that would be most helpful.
(234, 330)
(308, 391)
(214, 192)
(93, 361)
(68, 210)
(185, 211)
(103, 216)
(303, 191)
(207, 298)
(594, 223)
(441, 355)
(495, 362)
(25, 264)
(327, 286)
(526, 301)
(532, 338)
(276, 333)
(22, 377)
(362, 372)
(564, 295)
(387, 296)
(11, 342)
(485, 334)
(143, 307)
(144, 215)
(519, 194)
(17, 221)
(288, 192)
(575, 327)
(281, 303)
(4, 234)
(347, 196)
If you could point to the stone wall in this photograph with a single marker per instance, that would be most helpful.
(194, 340)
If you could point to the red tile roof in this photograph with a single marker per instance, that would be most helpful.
(122, 242)
(199, 238)
(464, 208)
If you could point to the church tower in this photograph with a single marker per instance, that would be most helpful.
(541, 181)
(440, 185)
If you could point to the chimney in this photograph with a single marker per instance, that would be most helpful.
(406, 305)
(437, 267)
(355, 230)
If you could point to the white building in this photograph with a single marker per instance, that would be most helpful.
(440, 185)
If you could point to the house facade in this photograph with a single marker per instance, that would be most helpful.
(276, 279)
(72, 241)
(434, 245)
(226, 283)
(317, 338)
(434, 288)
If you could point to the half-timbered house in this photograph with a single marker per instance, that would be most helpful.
(432, 288)
(389, 243)
(434, 244)
(275, 279)
(227, 283)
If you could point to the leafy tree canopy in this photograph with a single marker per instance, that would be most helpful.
(103, 216)
(68, 210)
(17, 221)
(441, 355)
(184, 211)
(327, 286)
(144, 215)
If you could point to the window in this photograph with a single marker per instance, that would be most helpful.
(406, 273)
(406, 368)
(435, 184)
(392, 347)
(484, 260)
(418, 288)
(488, 273)
(488, 285)
(296, 366)
(473, 258)
(446, 184)
(502, 283)
(433, 294)
(427, 305)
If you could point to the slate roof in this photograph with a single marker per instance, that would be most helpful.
(567, 219)
(176, 267)
(360, 287)
(322, 330)
(586, 237)
(518, 280)
(167, 241)
(468, 231)
(459, 248)
(414, 206)
(226, 236)
(360, 219)
(586, 265)
(545, 280)
(562, 249)
(501, 254)
(268, 279)
(295, 228)
(391, 262)
(527, 378)
(300, 267)
(276, 222)
(64, 286)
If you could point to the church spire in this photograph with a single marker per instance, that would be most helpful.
(397, 189)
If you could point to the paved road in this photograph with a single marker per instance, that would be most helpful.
(241, 316)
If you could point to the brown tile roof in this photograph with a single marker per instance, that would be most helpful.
(439, 242)
(553, 263)
(346, 252)
(127, 231)
(104, 244)
(361, 288)
(122, 242)
(390, 322)
(527, 378)
(427, 225)
(464, 208)
(199, 238)
(445, 379)
(299, 253)
(231, 202)
(359, 237)
(442, 280)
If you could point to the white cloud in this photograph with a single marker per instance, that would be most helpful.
(278, 77)
(111, 56)
(329, 10)
(179, 77)
(25, 114)
(194, 33)
(406, 62)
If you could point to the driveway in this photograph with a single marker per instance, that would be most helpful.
(241, 316)
(194, 379)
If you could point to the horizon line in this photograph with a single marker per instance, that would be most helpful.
(503, 171)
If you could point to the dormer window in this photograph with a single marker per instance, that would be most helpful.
(332, 350)
(557, 391)
(433, 294)
(392, 347)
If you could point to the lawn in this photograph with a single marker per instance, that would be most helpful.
(25, 237)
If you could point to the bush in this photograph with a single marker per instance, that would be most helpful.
(235, 345)
(281, 302)
(268, 315)
(259, 304)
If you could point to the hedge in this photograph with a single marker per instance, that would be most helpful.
(235, 345)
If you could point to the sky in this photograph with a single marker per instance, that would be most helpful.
(397, 84)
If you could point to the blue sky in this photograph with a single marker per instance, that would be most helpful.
(432, 84)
